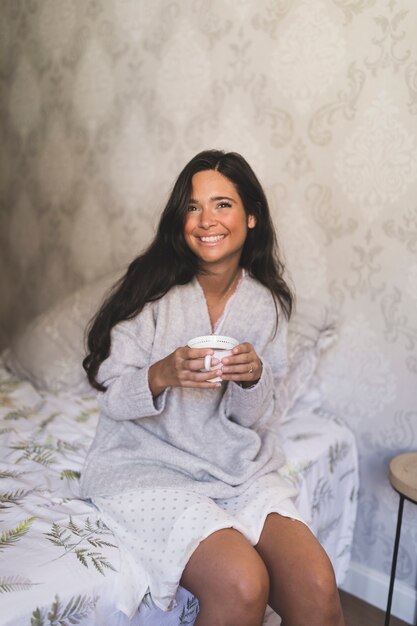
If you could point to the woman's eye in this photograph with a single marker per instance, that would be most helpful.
(192, 208)
(224, 205)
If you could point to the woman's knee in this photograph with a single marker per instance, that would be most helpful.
(250, 586)
(243, 597)
(229, 579)
(324, 595)
(243, 586)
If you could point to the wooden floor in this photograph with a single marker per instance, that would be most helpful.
(359, 613)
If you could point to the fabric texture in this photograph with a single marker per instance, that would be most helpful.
(211, 441)
(159, 529)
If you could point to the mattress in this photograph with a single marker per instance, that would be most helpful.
(59, 562)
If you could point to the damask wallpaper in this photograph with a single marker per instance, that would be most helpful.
(103, 101)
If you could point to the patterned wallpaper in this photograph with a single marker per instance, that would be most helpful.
(103, 101)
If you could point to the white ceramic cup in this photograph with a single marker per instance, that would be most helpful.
(222, 347)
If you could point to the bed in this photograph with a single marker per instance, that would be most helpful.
(58, 561)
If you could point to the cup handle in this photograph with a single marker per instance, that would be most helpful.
(207, 362)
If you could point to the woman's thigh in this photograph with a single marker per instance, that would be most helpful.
(298, 567)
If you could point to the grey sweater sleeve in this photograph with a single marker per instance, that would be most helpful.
(125, 372)
(247, 406)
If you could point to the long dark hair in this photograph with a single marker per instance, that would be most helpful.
(168, 261)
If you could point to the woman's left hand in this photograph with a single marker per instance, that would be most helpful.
(244, 366)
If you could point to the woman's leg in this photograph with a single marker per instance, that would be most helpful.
(229, 579)
(302, 584)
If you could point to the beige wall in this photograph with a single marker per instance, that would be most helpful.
(103, 101)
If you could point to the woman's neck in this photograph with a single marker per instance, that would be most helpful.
(218, 287)
(220, 284)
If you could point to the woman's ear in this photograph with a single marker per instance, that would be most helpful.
(251, 221)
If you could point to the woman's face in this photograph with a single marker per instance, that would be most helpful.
(216, 222)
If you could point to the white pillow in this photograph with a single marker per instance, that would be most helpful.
(309, 401)
(311, 331)
(50, 351)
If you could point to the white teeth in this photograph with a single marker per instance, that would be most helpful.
(212, 238)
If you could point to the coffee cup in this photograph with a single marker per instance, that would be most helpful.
(222, 347)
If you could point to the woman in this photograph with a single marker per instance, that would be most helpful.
(186, 471)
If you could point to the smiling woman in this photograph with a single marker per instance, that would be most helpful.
(195, 455)
(215, 229)
(216, 223)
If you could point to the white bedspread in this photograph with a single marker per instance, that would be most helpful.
(58, 562)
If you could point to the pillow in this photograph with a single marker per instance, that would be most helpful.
(311, 331)
(310, 400)
(49, 352)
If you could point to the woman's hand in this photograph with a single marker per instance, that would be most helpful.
(244, 366)
(182, 368)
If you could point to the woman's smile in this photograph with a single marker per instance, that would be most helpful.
(211, 239)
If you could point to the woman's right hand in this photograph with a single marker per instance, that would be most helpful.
(182, 368)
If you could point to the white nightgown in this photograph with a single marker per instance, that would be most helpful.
(158, 530)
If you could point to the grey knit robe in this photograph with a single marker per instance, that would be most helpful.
(214, 442)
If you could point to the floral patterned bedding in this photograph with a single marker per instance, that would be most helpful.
(58, 562)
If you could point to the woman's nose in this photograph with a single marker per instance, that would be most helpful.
(207, 218)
